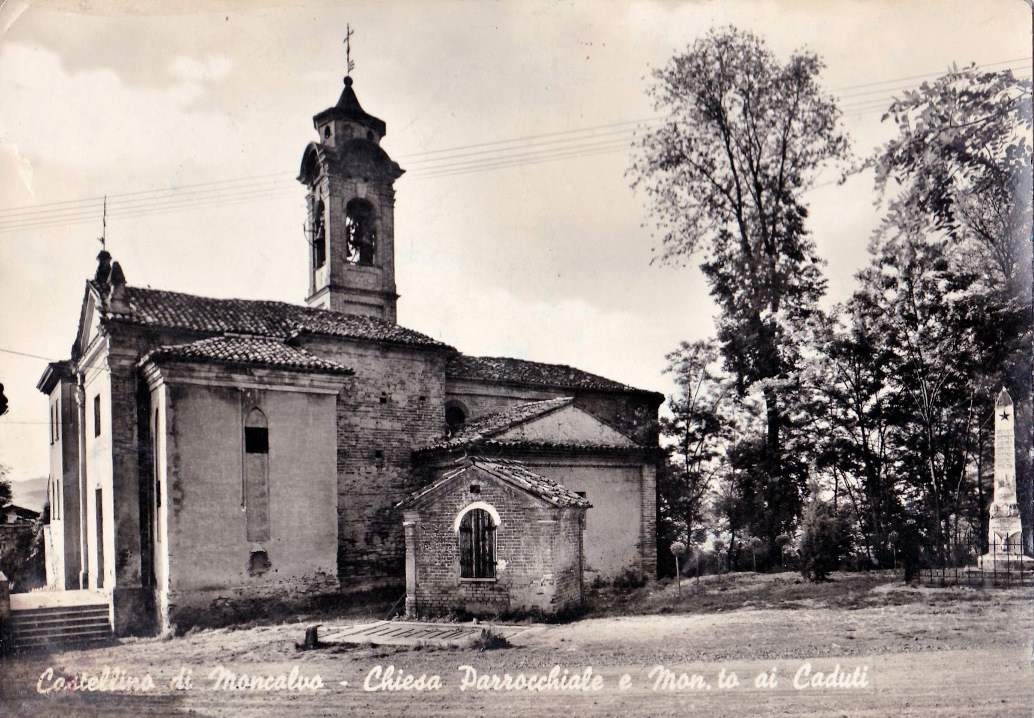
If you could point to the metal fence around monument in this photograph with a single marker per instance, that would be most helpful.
(971, 564)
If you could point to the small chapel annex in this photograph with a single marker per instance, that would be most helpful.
(208, 450)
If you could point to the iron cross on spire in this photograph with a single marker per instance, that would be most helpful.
(104, 226)
(348, 50)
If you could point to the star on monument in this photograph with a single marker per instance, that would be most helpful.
(1005, 416)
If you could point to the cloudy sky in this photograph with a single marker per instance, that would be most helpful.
(516, 231)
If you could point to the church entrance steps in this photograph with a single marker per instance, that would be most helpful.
(49, 619)
(55, 599)
(402, 633)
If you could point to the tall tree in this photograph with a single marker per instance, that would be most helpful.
(854, 381)
(694, 434)
(929, 317)
(744, 136)
(960, 169)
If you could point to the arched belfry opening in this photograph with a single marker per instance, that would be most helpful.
(360, 232)
(351, 198)
(319, 235)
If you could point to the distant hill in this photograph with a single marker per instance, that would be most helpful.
(30, 493)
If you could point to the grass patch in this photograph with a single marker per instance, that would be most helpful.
(746, 590)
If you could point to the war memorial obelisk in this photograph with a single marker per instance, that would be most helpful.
(1004, 535)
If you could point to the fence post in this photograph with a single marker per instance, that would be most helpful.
(5, 614)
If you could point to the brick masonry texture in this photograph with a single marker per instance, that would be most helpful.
(538, 552)
(351, 398)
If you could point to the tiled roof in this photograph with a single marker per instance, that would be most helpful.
(175, 310)
(516, 474)
(530, 373)
(485, 427)
(262, 351)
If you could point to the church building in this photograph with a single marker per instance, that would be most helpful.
(206, 451)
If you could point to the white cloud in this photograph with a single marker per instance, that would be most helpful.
(95, 122)
(213, 67)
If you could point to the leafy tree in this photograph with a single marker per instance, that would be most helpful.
(694, 434)
(744, 137)
(960, 171)
(854, 370)
(929, 317)
(740, 504)
(825, 538)
(962, 165)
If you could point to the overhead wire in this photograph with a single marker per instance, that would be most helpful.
(428, 164)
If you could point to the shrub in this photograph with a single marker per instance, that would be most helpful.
(489, 641)
(825, 539)
(630, 578)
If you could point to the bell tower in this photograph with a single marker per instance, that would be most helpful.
(351, 208)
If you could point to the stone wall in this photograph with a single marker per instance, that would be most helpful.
(394, 404)
(538, 555)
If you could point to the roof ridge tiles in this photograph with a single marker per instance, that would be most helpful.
(258, 317)
(260, 350)
(534, 373)
(515, 473)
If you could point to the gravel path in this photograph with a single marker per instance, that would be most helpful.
(959, 653)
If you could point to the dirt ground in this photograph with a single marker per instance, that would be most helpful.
(892, 650)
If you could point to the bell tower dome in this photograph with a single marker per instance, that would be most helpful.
(351, 208)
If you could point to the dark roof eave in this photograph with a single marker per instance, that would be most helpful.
(158, 359)
(433, 345)
(55, 372)
(655, 395)
(428, 452)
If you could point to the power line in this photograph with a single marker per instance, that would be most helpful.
(929, 74)
(25, 354)
(164, 190)
(444, 162)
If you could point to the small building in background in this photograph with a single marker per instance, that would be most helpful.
(16, 524)
(493, 538)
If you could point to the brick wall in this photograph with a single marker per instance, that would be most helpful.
(394, 404)
(538, 553)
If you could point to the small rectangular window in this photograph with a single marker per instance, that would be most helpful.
(97, 415)
(256, 440)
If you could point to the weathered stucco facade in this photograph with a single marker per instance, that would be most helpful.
(170, 401)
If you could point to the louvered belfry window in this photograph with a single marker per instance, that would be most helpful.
(477, 545)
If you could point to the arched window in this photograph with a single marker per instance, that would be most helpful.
(256, 475)
(360, 232)
(319, 236)
(477, 544)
